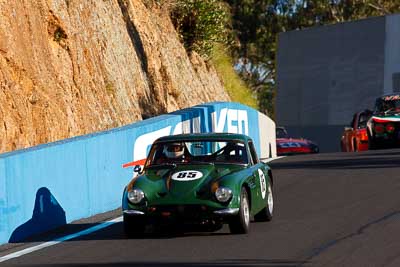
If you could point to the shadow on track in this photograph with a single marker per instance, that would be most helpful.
(227, 262)
(115, 232)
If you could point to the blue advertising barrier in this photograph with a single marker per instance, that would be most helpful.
(49, 185)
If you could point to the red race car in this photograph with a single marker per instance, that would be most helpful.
(355, 137)
(286, 145)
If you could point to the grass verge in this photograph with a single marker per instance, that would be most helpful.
(234, 85)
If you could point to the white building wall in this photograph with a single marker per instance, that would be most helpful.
(325, 74)
(392, 52)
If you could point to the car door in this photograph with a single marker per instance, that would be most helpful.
(348, 135)
(361, 130)
(259, 191)
(353, 135)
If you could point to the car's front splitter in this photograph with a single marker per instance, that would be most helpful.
(133, 212)
(230, 211)
(183, 213)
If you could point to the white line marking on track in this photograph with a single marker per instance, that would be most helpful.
(59, 240)
(271, 159)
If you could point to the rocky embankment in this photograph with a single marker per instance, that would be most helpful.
(71, 67)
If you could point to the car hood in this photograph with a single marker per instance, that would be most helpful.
(183, 181)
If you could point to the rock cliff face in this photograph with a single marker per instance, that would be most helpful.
(71, 67)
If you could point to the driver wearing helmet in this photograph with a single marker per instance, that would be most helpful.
(174, 151)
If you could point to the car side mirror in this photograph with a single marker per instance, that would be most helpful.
(137, 169)
(348, 128)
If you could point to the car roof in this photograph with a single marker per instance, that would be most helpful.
(391, 94)
(204, 136)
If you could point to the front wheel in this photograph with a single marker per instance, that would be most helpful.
(266, 213)
(240, 223)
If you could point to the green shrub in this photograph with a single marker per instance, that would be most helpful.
(204, 26)
(201, 24)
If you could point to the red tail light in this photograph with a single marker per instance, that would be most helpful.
(362, 134)
(379, 128)
(390, 128)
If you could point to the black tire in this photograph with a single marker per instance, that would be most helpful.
(371, 142)
(266, 214)
(240, 223)
(134, 226)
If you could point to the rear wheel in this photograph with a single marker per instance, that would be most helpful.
(266, 213)
(371, 142)
(240, 223)
(134, 226)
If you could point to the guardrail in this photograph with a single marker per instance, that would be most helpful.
(49, 185)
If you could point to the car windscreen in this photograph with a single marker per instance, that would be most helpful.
(198, 151)
(363, 119)
(281, 133)
(388, 104)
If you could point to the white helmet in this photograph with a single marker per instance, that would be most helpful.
(173, 150)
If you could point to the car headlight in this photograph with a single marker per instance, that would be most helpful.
(135, 196)
(223, 194)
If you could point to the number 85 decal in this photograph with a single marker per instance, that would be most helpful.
(189, 175)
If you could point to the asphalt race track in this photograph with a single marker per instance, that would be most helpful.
(339, 209)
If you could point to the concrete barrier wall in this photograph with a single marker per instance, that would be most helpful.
(49, 185)
(267, 136)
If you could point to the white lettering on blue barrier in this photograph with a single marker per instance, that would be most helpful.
(182, 127)
(233, 121)
(243, 121)
(196, 125)
(218, 125)
(145, 140)
(236, 121)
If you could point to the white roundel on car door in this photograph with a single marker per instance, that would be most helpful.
(263, 183)
(189, 175)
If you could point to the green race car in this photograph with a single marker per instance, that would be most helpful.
(202, 179)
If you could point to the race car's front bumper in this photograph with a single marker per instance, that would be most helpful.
(133, 212)
(183, 213)
(230, 211)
